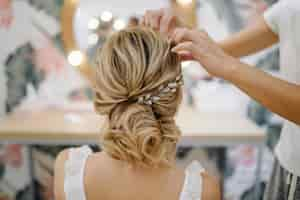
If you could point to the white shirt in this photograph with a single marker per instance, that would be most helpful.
(26, 27)
(284, 19)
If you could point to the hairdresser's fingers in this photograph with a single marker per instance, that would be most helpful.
(154, 18)
(146, 21)
(183, 34)
(203, 34)
(178, 35)
(147, 17)
(142, 21)
(184, 48)
(167, 22)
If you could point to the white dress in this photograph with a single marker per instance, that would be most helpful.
(74, 176)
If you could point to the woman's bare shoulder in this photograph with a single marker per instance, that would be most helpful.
(211, 187)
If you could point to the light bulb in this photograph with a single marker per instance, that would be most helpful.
(106, 16)
(119, 24)
(75, 58)
(184, 2)
(93, 23)
(93, 39)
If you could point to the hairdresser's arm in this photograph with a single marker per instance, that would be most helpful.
(279, 96)
(250, 40)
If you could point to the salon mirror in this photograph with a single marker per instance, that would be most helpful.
(87, 23)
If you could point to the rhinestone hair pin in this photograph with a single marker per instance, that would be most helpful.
(150, 99)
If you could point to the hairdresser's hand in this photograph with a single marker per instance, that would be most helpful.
(163, 20)
(197, 45)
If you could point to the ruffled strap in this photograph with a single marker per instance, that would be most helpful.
(74, 173)
(192, 188)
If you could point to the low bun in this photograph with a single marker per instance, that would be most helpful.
(135, 135)
(133, 64)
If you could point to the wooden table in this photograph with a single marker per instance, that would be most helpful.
(64, 127)
(82, 127)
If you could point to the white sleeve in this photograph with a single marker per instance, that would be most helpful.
(273, 15)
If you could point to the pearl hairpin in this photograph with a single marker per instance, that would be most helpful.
(170, 87)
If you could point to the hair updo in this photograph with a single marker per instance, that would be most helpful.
(133, 63)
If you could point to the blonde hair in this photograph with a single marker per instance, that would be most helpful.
(133, 63)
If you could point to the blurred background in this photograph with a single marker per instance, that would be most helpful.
(46, 71)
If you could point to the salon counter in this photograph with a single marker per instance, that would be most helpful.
(62, 126)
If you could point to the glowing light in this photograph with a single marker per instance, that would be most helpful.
(75, 58)
(93, 23)
(184, 2)
(119, 24)
(93, 39)
(106, 16)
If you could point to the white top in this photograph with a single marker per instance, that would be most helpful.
(74, 176)
(27, 26)
(284, 19)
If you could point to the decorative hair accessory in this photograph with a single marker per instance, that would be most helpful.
(149, 99)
